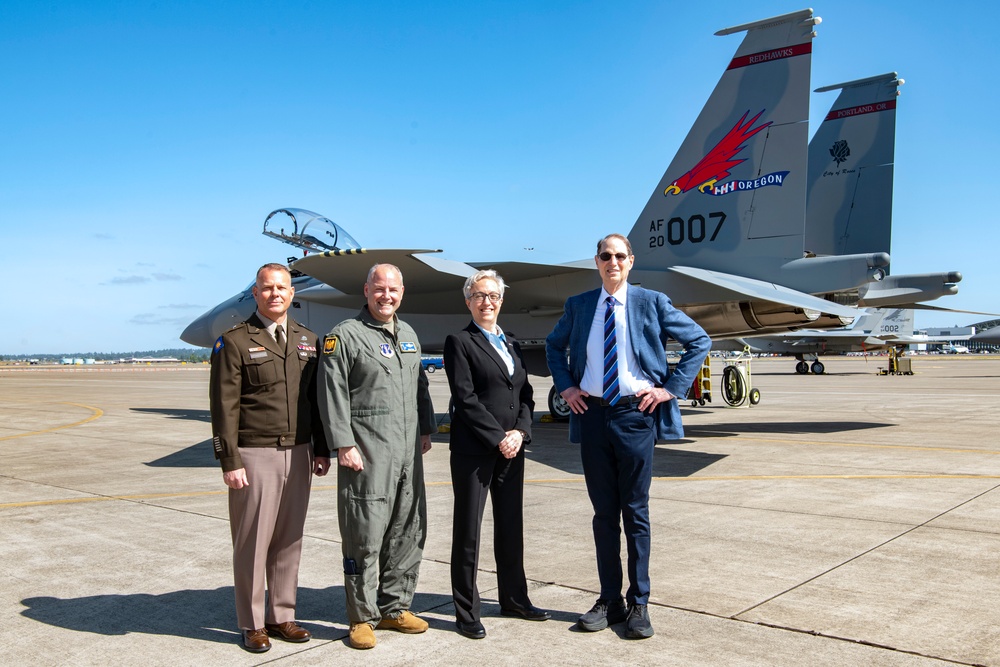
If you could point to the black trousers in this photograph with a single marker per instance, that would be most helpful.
(473, 477)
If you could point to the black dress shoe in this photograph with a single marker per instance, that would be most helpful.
(529, 613)
(473, 630)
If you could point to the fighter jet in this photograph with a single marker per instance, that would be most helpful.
(723, 233)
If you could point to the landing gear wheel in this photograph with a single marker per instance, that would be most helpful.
(754, 396)
(558, 407)
(802, 368)
(818, 367)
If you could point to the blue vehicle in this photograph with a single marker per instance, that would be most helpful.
(431, 364)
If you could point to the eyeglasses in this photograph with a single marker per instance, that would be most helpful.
(606, 256)
(479, 297)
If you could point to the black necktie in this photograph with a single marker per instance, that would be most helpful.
(279, 335)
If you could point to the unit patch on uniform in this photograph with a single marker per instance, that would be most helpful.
(218, 346)
(386, 350)
(407, 347)
(330, 345)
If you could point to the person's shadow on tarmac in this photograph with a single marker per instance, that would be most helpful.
(208, 615)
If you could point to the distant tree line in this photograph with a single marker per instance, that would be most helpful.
(184, 354)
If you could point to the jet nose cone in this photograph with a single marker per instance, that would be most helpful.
(205, 330)
(199, 332)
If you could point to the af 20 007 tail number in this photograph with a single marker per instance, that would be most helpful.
(693, 230)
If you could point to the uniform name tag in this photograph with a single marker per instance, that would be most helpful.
(257, 355)
(407, 347)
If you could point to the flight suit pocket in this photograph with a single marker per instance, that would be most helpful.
(261, 371)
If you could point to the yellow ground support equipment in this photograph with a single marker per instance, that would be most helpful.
(898, 364)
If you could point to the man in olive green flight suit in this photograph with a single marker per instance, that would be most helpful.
(377, 415)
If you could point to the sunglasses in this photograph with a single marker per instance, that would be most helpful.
(606, 256)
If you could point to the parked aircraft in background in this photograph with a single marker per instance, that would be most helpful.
(876, 330)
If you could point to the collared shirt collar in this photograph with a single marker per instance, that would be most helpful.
(620, 294)
(269, 325)
(499, 342)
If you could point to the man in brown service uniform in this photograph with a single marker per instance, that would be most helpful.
(267, 435)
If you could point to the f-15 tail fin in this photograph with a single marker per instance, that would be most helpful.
(849, 195)
(733, 197)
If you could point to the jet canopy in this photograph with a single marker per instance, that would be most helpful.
(307, 230)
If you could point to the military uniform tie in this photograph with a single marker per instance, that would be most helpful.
(611, 392)
(279, 336)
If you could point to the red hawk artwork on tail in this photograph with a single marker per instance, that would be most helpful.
(720, 160)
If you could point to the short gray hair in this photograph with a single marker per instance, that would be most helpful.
(376, 267)
(483, 274)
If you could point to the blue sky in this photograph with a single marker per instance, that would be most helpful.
(145, 143)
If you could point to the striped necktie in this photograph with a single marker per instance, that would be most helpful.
(611, 390)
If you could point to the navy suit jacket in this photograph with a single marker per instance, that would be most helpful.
(652, 321)
(487, 401)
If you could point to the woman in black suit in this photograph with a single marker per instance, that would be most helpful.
(489, 427)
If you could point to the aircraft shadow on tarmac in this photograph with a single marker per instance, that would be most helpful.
(558, 453)
(199, 455)
(172, 413)
(781, 428)
(208, 615)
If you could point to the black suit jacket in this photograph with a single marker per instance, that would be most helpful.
(487, 401)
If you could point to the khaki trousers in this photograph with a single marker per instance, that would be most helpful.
(266, 519)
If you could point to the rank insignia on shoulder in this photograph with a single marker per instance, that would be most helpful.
(407, 347)
(218, 346)
(330, 345)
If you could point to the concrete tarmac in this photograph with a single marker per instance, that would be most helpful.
(848, 519)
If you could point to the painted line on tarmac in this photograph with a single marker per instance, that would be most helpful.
(96, 413)
(572, 480)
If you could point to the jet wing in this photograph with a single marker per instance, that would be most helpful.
(765, 291)
(939, 309)
(347, 270)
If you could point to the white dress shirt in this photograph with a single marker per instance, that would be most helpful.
(630, 377)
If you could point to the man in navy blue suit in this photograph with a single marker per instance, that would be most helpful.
(622, 395)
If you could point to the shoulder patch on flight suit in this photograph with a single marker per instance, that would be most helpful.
(407, 347)
(330, 345)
